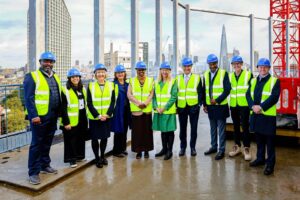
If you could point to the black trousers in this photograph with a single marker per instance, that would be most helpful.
(262, 142)
(240, 116)
(120, 138)
(183, 120)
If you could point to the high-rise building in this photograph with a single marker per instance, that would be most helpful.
(224, 61)
(236, 52)
(49, 29)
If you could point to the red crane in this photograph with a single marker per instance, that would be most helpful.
(289, 75)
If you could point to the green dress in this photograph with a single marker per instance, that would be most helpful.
(165, 122)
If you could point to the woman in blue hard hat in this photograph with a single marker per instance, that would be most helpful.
(164, 120)
(122, 116)
(74, 118)
(101, 102)
(140, 93)
(262, 96)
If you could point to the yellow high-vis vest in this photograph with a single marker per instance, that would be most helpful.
(163, 95)
(42, 92)
(239, 89)
(141, 93)
(217, 88)
(101, 98)
(266, 93)
(73, 105)
(188, 94)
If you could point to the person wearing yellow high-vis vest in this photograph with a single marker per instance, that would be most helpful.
(42, 89)
(189, 101)
(101, 103)
(239, 80)
(140, 93)
(164, 105)
(74, 118)
(216, 90)
(262, 97)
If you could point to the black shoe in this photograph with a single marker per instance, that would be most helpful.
(161, 153)
(210, 151)
(104, 161)
(168, 155)
(120, 155)
(99, 164)
(219, 155)
(182, 152)
(256, 163)
(125, 153)
(193, 152)
(268, 171)
(138, 155)
(146, 154)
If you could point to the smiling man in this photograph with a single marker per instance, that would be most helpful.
(262, 96)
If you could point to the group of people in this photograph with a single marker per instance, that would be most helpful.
(115, 106)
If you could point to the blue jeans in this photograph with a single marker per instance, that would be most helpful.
(42, 136)
(216, 124)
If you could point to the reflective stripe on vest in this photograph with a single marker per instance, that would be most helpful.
(101, 98)
(73, 105)
(239, 89)
(42, 92)
(217, 88)
(266, 93)
(141, 93)
(163, 95)
(187, 94)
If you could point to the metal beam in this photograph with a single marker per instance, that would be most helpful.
(187, 31)
(251, 42)
(271, 43)
(158, 33)
(287, 48)
(98, 31)
(134, 35)
(175, 37)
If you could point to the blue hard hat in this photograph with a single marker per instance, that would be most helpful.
(140, 65)
(73, 72)
(236, 59)
(186, 61)
(120, 68)
(263, 62)
(99, 67)
(212, 58)
(165, 65)
(47, 56)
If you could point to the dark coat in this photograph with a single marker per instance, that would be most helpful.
(218, 112)
(260, 123)
(122, 109)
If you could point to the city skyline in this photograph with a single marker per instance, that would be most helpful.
(204, 39)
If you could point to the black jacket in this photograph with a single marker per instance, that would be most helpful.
(258, 122)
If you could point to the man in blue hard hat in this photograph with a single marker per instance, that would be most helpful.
(239, 80)
(42, 90)
(262, 96)
(189, 101)
(216, 89)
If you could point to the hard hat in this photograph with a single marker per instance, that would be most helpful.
(99, 67)
(120, 68)
(263, 62)
(236, 59)
(73, 72)
(47, 56)
(140, 65)
(212, 58)
(186, 61)
(165, 65)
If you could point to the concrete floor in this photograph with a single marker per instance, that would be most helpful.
(199, 177)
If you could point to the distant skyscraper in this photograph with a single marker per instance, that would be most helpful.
(77, 63)
(223, 61)
(49, 29)
(256, 56)
(236, 52)
(195, 59)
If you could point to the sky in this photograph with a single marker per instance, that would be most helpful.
(205, 28)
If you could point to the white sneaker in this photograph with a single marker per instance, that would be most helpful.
(235, 151)
(73, 164)
(247, 154)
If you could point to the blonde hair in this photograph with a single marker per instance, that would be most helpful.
(160, 78)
